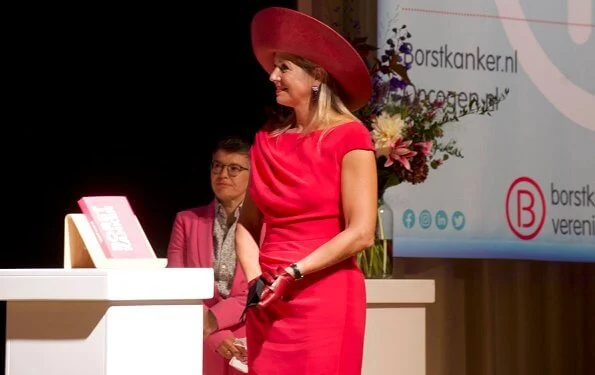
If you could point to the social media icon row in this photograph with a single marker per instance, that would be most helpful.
(440, 219)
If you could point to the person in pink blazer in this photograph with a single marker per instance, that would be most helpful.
(204, 237)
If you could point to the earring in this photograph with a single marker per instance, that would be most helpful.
(315, 93)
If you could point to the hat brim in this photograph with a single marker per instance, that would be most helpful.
(285, 30)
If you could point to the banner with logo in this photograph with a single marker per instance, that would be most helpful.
(525, 186)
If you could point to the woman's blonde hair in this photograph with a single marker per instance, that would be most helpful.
(326, 106)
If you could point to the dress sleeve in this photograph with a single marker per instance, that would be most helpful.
(356, 137)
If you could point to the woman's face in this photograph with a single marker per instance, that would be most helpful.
(229, 175)
(293, 85)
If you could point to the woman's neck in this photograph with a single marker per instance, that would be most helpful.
(306, 127)
(229, 206)
(303, 120)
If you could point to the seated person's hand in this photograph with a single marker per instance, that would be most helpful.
(228, 349)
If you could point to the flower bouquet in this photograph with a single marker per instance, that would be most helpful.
(408, 134)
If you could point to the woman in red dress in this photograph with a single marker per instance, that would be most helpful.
(313, 189)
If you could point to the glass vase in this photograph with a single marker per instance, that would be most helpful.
(376, 262)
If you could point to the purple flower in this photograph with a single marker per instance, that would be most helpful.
(406, 48)
(397, 84)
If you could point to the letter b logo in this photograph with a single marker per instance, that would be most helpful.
(525, 208)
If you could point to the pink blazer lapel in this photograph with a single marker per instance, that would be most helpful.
(202, 232)
(204, 236)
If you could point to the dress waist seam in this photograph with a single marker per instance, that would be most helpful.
(265, 241)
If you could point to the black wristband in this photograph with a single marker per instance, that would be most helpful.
(296, 271)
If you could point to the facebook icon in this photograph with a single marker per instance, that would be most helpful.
(408, 218)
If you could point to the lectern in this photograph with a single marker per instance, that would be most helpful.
(395, 339)
(91, 321)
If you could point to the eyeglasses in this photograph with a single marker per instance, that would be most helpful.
(232, 169)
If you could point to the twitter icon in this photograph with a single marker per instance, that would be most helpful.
(458, 220)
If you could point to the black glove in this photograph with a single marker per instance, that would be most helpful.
(255, 288)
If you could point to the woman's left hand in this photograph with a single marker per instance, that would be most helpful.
(275, 286)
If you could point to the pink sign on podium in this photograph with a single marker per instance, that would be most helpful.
(107, 235)
(116, 227)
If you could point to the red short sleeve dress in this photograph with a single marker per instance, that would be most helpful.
(318, 328)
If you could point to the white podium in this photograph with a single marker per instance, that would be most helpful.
(104, 321)
(395, 338)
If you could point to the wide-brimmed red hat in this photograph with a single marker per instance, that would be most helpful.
(285, 30)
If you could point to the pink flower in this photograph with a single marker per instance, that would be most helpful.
(399, 152)
(438, 103)
(430, 115)
(426, 147)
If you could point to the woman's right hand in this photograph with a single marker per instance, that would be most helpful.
(228, 349)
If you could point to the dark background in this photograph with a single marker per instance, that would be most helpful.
(120, 100)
